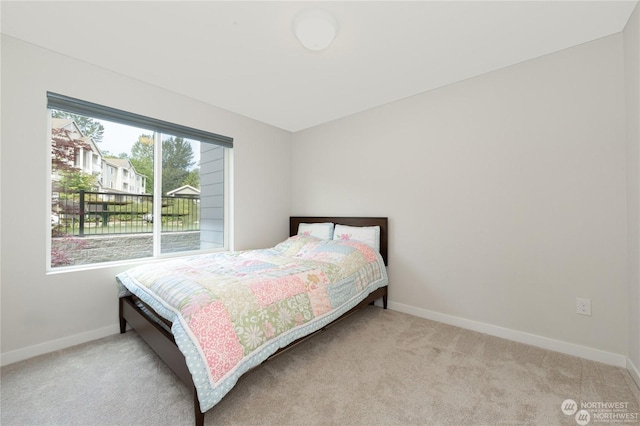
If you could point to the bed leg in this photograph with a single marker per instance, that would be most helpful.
(123, 322)
(196, 409)
(384, 301)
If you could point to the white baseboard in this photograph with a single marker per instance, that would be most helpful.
(10, 357)
(506, 333)
(517, 336)
(634, 372)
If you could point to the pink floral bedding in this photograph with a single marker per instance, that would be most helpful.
(231, 311)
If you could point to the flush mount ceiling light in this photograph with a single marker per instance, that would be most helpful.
(315, 29)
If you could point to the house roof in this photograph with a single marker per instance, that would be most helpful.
(58, 123)
(120, 162)
(184, 190)
(61, 123)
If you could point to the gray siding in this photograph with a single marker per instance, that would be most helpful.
(211, 196)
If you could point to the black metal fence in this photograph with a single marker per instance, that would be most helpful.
(95, 213)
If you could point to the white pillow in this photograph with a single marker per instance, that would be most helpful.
(324, 231)
(369, 235)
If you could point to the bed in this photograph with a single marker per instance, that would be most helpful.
(213, 317)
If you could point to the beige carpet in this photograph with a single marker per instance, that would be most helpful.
(374, 368)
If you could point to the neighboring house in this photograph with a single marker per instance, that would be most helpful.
(113, 174)
(118, 174)
(186, 190)
(88, 161)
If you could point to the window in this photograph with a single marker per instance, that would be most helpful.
(125, 186)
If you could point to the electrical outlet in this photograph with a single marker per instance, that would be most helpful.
(583, 306)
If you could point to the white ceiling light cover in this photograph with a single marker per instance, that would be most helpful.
(315, 29)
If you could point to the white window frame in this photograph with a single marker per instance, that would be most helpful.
(80, 107)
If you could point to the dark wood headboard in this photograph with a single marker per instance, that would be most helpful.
(382, 222)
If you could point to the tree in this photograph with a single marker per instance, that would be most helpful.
(75, 181)
(193, 178)
(87, 125)
(177, 160)
(142, 159)
(64, 149)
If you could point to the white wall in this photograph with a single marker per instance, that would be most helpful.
(43, 312)
(505, 195)
(632, 92)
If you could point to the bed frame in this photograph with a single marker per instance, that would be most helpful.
(163, 344)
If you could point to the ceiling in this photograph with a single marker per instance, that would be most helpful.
(244, 57)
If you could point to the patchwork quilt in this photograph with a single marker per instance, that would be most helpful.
(231, 311)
